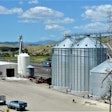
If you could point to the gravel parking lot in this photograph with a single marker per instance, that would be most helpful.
(41, 98)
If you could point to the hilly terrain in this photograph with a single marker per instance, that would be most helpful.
(38, 50)
(32, 48)
(38, 53)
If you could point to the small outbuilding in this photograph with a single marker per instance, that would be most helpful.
(30, 71)
(99, 83)
(8, 69)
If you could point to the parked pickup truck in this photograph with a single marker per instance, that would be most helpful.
(2, 99)
(18, 105)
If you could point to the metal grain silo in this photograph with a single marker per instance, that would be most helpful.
(86, 54)
(60, 63)
(97, 75)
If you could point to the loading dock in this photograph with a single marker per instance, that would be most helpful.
(10, 72)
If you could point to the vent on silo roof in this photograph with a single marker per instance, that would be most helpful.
(66, 43)
(89, 43)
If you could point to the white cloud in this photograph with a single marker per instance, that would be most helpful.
(98, 16)
(53, 26)
(4, 10)
(47, 16)
(97, 13)
(21, 2)
(28, 21)
(33, 2)
(67, 31)
(41, 13)
(62, 20)
(68, 20)
(94, 27)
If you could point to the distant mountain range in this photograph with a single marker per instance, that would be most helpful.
(40, 42)
(14, 43)
(30, 43)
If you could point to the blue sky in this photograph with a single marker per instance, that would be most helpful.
(39, 20)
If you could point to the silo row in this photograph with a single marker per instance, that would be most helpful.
(72, 62)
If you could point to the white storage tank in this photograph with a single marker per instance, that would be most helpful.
(23, 62)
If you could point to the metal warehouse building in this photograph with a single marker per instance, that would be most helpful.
(8, 69)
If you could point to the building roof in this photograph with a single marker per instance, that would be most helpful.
(30, 66)
(103, 67)
(6, 63)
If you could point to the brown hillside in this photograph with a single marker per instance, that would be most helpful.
(40, 49)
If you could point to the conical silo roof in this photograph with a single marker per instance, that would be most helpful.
(65, 43)
(103, 67)
(89, 43)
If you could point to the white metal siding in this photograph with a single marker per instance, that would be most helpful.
(3, 69)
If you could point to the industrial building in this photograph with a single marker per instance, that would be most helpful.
(8, 69)
(72, 62)
(98, 88)
(19, 69)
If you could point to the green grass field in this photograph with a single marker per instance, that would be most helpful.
(38, 59)
(33, 59)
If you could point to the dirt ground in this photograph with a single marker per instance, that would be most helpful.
(41, 98)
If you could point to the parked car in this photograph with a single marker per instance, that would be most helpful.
(18, 105)
(46, 63)
(2, 100)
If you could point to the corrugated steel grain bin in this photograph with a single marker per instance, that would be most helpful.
(97, 75)
(61, 63)
(86, 54)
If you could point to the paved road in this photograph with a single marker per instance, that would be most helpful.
(41, 98)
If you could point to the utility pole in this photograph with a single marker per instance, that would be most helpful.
(110, 100)
(20, 44)
(110, 91)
